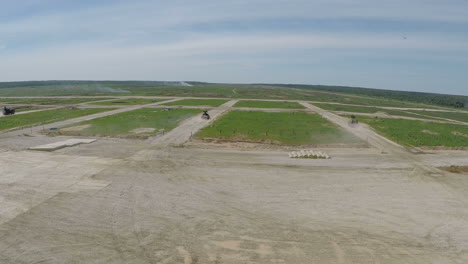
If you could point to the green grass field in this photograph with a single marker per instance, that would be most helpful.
(198, 102)
(282, 128)
(128, 101)
(49, 101)
(266, 104)
(45, 117)
(420, 133)
(137, 123)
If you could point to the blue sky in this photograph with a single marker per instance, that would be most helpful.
(419, 45)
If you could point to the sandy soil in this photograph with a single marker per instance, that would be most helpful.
(156, 201)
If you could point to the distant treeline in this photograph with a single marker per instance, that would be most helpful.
(89, 83)
(457, 101)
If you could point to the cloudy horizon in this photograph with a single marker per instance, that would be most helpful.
(418, 46)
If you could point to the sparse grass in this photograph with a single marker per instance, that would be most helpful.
(124, 124)
(198, 102)
(282, 127)
(128, 101)
(369, 110)
(45, 117)
(459, 116)
(49, 101)
(349, 108)
(28, 108)
(420, 133)
(269, 104)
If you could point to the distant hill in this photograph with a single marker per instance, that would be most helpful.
(204, 89)
(457, 101)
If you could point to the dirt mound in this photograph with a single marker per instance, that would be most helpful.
(456, 169)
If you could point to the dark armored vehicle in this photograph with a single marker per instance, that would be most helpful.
(205, 115)
(8, 111)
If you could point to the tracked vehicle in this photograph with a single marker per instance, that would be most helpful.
(8, 111)
(205, 115)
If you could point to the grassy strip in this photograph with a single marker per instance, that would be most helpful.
(266, 104)
(151, 121)
(128, 101)
(349, 108)
(284, 128)
(50, 101)
(198, 102)
(45, 117)
(369, 110)
(463, 117)
(420, 133)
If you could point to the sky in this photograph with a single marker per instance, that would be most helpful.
(417, 45)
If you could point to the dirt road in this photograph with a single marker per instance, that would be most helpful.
(190, 127)
(178, 205)
(366, 133)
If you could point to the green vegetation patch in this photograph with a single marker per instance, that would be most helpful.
(280, 127)
(269, 104)
(49, 101)
(420, 133)
(137, 123)
(128, 101)
(45, 117)
(198, 102)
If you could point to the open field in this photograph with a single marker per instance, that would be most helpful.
(171, 199)
(128, 101)
(419, 133)
(44, 117)
(138, 123)
(197, 102)
(371, 110)
(49, 101)
(458, 116)
(193, 89)
(281, 128)
(267, 104)
(27, 108)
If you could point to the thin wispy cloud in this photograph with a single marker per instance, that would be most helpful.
(295, 41)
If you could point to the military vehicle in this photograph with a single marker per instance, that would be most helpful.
(205, 115)
(8, 111)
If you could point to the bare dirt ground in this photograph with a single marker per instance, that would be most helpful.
(156, 201)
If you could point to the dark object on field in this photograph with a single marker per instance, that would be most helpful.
(8, 111)
(354, 121)
(205, 115)
(53, 128)
(168, 109)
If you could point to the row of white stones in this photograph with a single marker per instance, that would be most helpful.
(308, 154)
